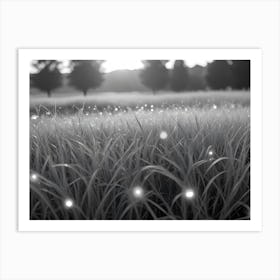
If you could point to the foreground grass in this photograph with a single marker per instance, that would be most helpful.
(142, 165)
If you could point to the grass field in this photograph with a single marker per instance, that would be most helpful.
(155, 157)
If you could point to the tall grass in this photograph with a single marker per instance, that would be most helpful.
(98, 160)
(134, 101)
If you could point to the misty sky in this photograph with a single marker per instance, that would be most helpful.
(112, 65)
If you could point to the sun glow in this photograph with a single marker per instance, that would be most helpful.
(113, 65)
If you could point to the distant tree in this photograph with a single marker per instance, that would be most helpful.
(155, 74)
(179, 76)
(86, 75)
(196, 78)
(241, 74)
(219, 75)
(47, 76)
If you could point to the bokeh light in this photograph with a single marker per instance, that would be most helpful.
(34, 117)
(68, 203)
(163, 135)
(34, 178)
(211, 154)
(138, 192)
(189, 193)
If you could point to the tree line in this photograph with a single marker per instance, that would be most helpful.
(87, 74)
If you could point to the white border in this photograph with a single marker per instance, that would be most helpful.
(24, 58)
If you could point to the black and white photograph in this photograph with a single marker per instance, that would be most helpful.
(139, 140)
(124, 139)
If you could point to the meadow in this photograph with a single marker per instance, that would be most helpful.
(139, 156)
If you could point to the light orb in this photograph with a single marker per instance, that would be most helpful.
(68, 203)
(211, 154)
(34, 178)
(189, 193)
(215, 107)
(138, 192)
(163, 135)
(34, 117)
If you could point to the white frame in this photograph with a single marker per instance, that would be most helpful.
(25, 56)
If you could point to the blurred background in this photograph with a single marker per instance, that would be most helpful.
(84, 77)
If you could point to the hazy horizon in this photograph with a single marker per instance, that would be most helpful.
(110, 66)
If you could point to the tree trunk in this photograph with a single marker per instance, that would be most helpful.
(49, 93)
(85, 93)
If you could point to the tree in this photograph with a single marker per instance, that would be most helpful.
(179, 76)
(86, 75)
(241, 74)
(47, 76)
(219, 75)
(155, 74)
(196, 78)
